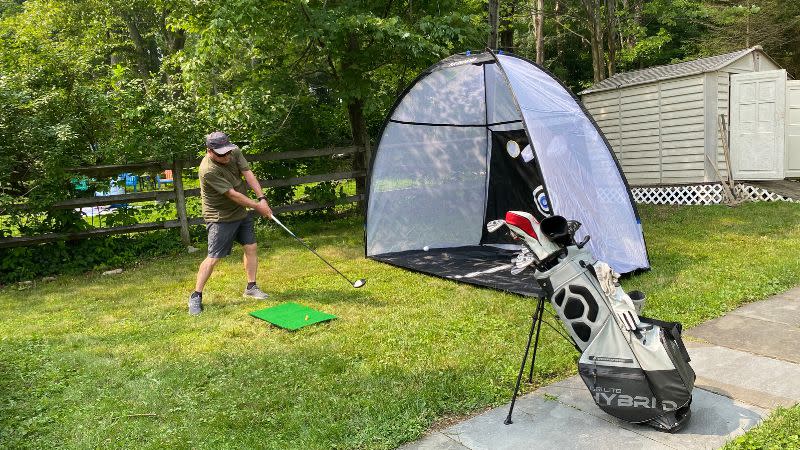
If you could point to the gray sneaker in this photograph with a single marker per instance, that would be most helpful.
(255, 292)
(195, 304)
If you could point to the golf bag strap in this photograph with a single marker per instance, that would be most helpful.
(674, 330)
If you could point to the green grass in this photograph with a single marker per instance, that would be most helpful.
(92, 361)
(780, 431)
(709, 260)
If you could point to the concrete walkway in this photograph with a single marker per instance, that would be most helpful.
(747, 363)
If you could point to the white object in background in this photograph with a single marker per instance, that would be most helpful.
(607, 277)
(512, 148)
(527, 154)
(426, 248)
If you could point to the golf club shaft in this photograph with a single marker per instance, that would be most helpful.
(312, 250)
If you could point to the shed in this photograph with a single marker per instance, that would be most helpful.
(663, 122)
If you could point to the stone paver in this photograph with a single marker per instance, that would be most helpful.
(749, 364)
(757, 380)
(715, 418)
(540, 423)
(563, 416)
(783, 308)
(751, 335)
(435, 441)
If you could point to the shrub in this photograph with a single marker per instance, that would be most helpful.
(100, 253)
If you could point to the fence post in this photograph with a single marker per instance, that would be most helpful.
(180, 200)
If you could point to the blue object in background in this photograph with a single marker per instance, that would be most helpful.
(132, 180)
(164, 178)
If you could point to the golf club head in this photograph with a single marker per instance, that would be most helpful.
(359, 283)
(495, 225)
(525, 260)
(523, 253)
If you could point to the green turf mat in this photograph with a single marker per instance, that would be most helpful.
(292, 316)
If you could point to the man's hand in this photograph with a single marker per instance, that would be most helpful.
(263, 208)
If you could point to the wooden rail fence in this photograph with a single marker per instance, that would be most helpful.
(179, 194)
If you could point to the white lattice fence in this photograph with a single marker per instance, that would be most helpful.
(702, 194)
(757, 194)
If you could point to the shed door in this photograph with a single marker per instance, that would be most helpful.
(758, 108)
(792, 129)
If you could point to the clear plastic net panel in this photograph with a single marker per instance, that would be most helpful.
(453, 95)
(427, 188)
(582, 179)
(499, 100)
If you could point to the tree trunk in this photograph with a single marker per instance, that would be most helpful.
(140, 46)
(355, 112)
(507, 35)
(358, 126)
(174, 41)
(559, 32)
(633, 12)
(747, 31)
(539, 32)
(611, 35)
(595, 26)
(494, 13)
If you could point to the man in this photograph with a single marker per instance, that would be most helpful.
(224, 197)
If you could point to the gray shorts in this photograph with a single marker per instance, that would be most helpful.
(222, 234)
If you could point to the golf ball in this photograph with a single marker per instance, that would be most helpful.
(426, 248)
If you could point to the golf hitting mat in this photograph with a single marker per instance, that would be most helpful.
(292, 316)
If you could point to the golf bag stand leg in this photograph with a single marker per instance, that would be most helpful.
(536, 342)
(536, 324)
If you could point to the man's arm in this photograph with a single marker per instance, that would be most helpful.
(260, 206)
(252, 181)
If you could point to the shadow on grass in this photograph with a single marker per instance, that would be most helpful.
(348, 295)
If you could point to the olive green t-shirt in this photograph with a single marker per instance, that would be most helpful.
(217, 179)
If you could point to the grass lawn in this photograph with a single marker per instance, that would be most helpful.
(93, 361)
(780, 431)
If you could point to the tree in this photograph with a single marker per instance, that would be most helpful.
(494, 23)
(350, 51)
(773, 24)
(84, 88)
(537, 19)
(594, 11)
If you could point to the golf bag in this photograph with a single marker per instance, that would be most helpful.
(636, 368)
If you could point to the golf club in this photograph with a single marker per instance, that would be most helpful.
(358, 283)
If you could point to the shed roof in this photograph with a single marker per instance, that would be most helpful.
(659, 73)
